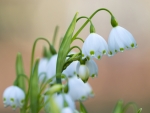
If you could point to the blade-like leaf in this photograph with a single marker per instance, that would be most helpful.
(34, 89)
(20, 72)
(82, 108)
(119, 107)
(140, 110)
(64, 47)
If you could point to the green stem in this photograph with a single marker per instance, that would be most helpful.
(84, 17)
(21, 75)
(79, 39)
(75, 47)
(31, 66)
(90, 19)
(33, 51)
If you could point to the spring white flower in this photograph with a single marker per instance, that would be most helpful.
(51, 67)
(94, 46)
(78, 90)
(71, 69)
(60, 100)
(42, 69)
(82, 72)
(13, 96)
(92, 66)
(119, 40)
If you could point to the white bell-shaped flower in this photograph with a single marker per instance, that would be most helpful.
(119, 40)
(13, 96)
(60, 100)
(67, 110)
(82, 72)
(94, 46)
(92, 66)
(71, 69)
(78, 90)
(51, 67)
(42, 69)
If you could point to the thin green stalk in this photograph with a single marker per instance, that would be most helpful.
(89, 20)
(75, 47)
(31, 66)
(79, 39)
(33, 51)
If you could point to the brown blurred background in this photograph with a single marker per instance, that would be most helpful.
(124, 76)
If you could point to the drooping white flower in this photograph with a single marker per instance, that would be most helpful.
(82, 72)
(71, 69)
(119, 40)
(42, 69)
(78, 90)
(13, 96)
(51, 67)
(94, 46)
(60, 100)
(92, 66)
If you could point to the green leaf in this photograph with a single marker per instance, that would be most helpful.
(54, 89)
(55, 35)
(51, 105)
(140, 110)
(119, 107)
(19, 72)
(63, 50)
(82, 108)
(34, 89)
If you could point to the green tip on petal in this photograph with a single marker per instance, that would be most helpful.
(85, 80)
(121, 49)
(110, 52)
(92, 53)
(104, 51)
(4, 99)
(11, 99)
(83, 98)
(99, 57)
(13, 106)
(132, 45)
(93, 75)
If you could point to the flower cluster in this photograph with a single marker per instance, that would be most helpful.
(119, 40)
(59, 79)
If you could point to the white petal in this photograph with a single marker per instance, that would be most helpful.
(71, 69)
(42, 68)
(51, 67)
(92, 66)
(20, 96)
(60, 101)
(78, 90)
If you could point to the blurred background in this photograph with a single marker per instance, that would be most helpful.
(124, 76)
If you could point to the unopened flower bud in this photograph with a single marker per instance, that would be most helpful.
(82, 72)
